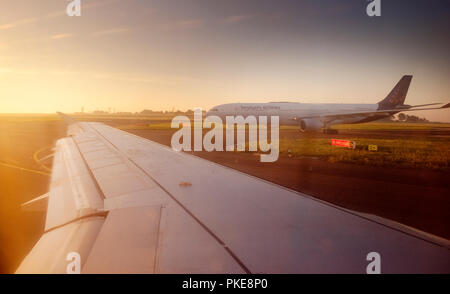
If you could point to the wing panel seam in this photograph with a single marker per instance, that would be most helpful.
(230, 252)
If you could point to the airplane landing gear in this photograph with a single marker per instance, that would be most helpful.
(330, 131)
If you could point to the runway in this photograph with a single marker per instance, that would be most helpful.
(22, 177)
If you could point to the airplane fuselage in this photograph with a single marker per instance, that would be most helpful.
(290, 112)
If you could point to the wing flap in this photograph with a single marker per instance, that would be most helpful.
(73, 193)
(135, 250)
(49, 255)
(156, 239)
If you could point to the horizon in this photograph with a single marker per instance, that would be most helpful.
(394, 118)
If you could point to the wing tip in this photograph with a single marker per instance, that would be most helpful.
(69, 120)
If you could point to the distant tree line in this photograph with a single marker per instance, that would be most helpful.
(150, 112)
(404, 118)
(143, 112)
(411, 118)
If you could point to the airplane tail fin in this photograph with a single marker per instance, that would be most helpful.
(397, 95)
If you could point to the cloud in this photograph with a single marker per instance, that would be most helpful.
(61, 36)
(187, 24)
(234, 19)
(113, 76)
(113, 31)
(146, 79)
(18, 23)
(98, 4)
(8, 70)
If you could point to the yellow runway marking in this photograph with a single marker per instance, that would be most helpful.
(36, 159)
(25, 169)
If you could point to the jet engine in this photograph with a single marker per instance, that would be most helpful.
(311, 125)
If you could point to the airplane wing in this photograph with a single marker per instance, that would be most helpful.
(129, 205)
(330, 117)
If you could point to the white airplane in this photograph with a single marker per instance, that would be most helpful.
(313, 116)
(119, 203)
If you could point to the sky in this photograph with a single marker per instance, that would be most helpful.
(132, 55)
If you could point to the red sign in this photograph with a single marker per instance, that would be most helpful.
(343, 143)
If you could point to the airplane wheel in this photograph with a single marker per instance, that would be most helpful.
(330, 131)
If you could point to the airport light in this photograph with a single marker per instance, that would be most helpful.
(343, 143)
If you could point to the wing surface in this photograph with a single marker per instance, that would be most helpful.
(130, 205)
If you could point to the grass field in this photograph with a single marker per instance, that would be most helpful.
(418, 152)
(392, 126)
(406, 152)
